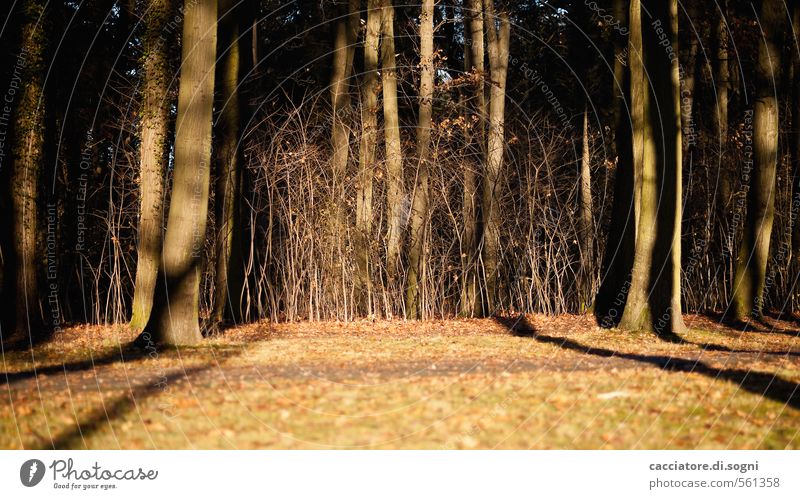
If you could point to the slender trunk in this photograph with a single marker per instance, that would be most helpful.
(688, 81)
(474, 59)
(23, 315)
(394, 155)
(586, 235)
(346, 35)
(498, 44)
(228, 164)
(653, 303)
(751, 267)
(156, 103)
(174, 318)
(618, 257)
(419, 210)
(369, 142)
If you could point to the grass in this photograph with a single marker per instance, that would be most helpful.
(557, 382)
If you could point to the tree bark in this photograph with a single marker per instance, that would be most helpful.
(618, 257)
(498, 44)
(419, 210)
(394, 154)
(156, 103)
(585, 223)
(22, 301)
(227, 289)
(475, 60)
(367, 154)
(654, 300)
(174, 318)
(750, 281)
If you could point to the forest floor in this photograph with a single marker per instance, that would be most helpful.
(530, 382)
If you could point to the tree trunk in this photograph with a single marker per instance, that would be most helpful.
(688, 82)
(751, 267)
(419, 210)
(174, 319)
(585, 224)
(394, 154)
(227, 288)
(618, 257)
(366, 169)
(794, 146)
(474, 59)
(156, 103)
(22, 304)
(346, 34)
(654, 302)
(498, 43)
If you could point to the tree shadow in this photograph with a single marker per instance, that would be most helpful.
(767, 385)
(75, 437)
(126, 353)
(755, 325)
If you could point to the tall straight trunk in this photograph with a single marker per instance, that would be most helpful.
(23, 317)
(794, 147)
(419, 210)
(751, 267)
(345, 36)
(654, 300)
(498, 43)
(689, 78)
(722, 84)
(156, 103)
(394, 155)
(174, 318)
(618, 257)
(227, 289)
(367, 154)
(586, 235)
(474, 59)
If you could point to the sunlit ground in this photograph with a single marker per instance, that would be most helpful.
(541, 382)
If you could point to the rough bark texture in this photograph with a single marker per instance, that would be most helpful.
(618, 257)
(174, 318)
(653, 302)
(751, 267)
(21, 302)
(419, 207)
(156, 102)
(498, 29)
(367, 154)
(227, 290)
(394, 154)
(474, 60)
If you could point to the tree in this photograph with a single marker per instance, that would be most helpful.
(156, 103)
(618, 257)
(367, 152)
(654, 299)
(23, 318)
(232, 48)
(174, 318)
(475, 63)
(751, 268)
(394, 154)
(498, 30)
(419, 207)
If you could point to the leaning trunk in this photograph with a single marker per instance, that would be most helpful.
(174, 319)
